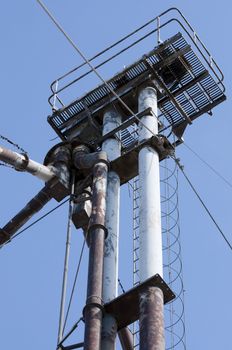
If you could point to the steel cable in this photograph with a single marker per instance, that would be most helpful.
(208, 165)
(91, 66)
(74, 284)
(202, 203)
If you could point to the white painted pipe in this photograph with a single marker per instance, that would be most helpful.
(20, 162)
(112, 147)
(150, 239)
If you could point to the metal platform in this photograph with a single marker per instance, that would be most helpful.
(129, 301)
(187, 88)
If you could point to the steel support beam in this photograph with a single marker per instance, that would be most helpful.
(150, 262)
(112, 147)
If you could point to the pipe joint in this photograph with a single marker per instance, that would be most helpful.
(60, 153)
(93, 301)
(94, 226)
(59, 160)
(83, 159)
(23, 164)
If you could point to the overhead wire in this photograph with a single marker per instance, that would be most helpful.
(36, 221)
(202, 203)
(4, 138)
(74, 283)
(121, 286)
(91, 66)
(69, 333)
(7, 165)
(208, 165)
(13, 144)
(66, 261)
(77, 200)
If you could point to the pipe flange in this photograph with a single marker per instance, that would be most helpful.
(25, 163)
(93, 227)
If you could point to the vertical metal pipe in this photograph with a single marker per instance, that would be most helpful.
(112, 147)
(126, 339)
(96, 233)
(150, 261)
(152, 320)
(66, 263)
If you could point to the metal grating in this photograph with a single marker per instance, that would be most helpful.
(187, 90)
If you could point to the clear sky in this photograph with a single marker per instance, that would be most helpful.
(33, 54)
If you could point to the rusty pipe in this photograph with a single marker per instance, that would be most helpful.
(59, 159)
(82, 159)
(126, 339)
(152, 319)
(96, 234)
(57, 186)
(22, 163)
(31, 208)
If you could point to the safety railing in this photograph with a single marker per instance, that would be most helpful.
(162, 21)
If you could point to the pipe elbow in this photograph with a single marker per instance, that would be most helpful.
(83, 159)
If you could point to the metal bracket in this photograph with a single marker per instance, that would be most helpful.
(126, 166)
(129, 301)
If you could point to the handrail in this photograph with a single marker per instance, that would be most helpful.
(188, 29)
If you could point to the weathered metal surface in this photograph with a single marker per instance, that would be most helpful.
(93, 309)
(22, 163)
(150, 232)
(126, 339)
(126, 166)
(61, 161)
(82, 159)
(57, 185)
(58, 153)
(151, 319)
(82, 209)
(96, 235)
(112, 146)
(59, 158)
(109, 332)
(125, 308)
(58, 189)
(97, 218)
(112, 132)
(31, 208)
(110, 278)
(150, 235)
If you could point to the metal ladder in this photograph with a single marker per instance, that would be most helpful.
(136, 202)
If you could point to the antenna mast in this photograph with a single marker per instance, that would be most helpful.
(118, 131)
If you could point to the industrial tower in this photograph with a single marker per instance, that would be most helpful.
(121, 132)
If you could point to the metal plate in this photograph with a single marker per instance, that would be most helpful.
(125, 308)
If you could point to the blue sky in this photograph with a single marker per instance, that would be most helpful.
(33, 54)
